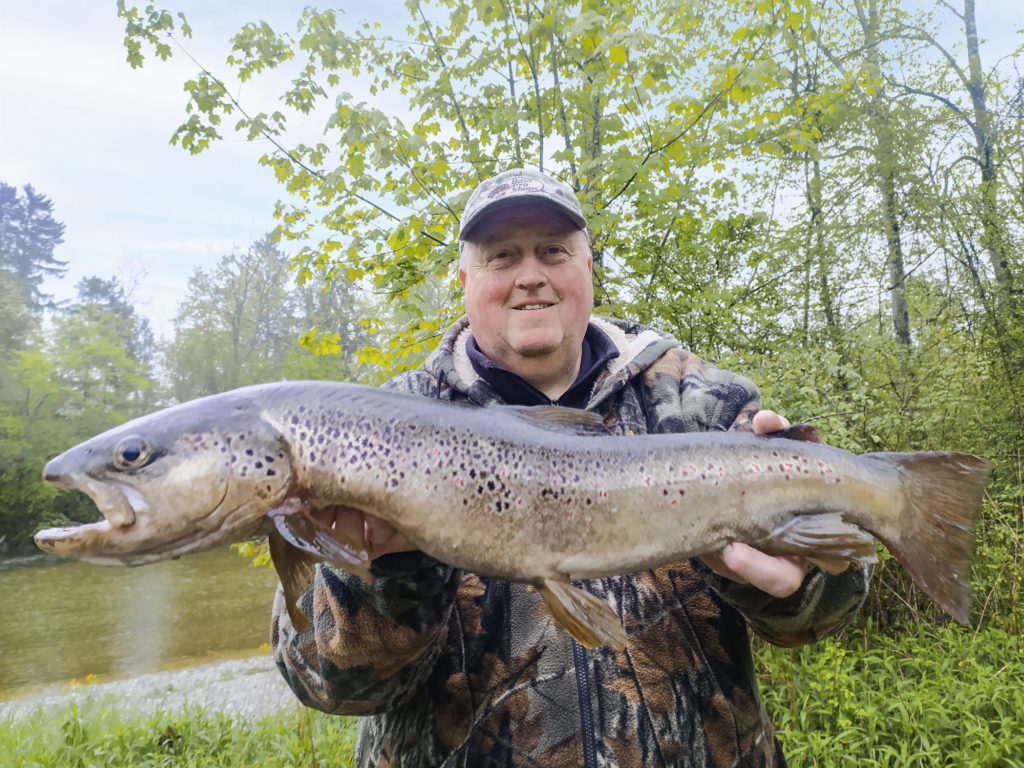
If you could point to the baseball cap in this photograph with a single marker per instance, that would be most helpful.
(517, 186)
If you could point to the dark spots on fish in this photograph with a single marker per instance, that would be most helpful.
(249, 452)
(271, 473)
(664, 491)
(258, 465)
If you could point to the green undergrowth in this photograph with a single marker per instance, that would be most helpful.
(921, 697)
(927, 695)
(95, 737)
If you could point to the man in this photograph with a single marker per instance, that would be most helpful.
(453, 669)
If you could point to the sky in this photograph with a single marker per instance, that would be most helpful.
(92, 134)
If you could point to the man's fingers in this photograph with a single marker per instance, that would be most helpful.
(778, 576)
(766, 421)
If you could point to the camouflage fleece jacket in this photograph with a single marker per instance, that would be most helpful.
(452, 669)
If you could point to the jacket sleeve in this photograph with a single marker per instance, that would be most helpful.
(825, 602)
(368, 646)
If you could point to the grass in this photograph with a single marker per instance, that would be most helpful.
(928, 696)
(92, 736)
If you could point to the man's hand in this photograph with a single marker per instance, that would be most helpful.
(778, 576)
(353, 527)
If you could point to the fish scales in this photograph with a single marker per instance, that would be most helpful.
(539, 495)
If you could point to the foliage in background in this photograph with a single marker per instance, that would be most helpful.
(924, 697)
(242, 322)
(822, 194)
(28, 236)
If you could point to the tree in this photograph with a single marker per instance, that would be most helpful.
(111, 296)
(235, 325)
(104, 379)
(622, 100)
(57, 389)
(28, 237)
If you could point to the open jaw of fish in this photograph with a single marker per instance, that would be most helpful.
(537, 495)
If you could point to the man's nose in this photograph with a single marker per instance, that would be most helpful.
(530, 274)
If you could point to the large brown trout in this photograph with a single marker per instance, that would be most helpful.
(540, 495)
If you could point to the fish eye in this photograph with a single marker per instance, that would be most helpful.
(131, 453)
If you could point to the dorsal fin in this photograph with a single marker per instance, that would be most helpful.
(557, 418)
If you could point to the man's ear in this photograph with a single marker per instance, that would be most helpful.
(462, 277)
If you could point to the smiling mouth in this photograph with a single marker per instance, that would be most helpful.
(533, 306)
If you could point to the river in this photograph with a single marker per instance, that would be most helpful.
(64, 620)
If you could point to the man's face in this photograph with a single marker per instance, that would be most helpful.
(527, 275)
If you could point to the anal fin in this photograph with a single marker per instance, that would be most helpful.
(823, 537)
(587, 618)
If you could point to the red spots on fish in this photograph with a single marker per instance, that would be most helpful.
(755, 467)
(674, 502)
(648, 481)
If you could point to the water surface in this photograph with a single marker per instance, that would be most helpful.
(64, 620)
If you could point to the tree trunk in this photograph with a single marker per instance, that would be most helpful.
(993, 237)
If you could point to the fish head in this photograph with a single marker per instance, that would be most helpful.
(181, 480)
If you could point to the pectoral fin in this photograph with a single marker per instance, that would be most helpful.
(295, 569)
(586, 617)
(299, 529)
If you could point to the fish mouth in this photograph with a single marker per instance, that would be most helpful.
(117, 502)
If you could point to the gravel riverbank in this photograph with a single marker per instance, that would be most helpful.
(250, 688)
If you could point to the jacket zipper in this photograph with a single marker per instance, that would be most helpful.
(579, 655)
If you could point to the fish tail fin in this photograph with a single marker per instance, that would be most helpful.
(587, 618)
(935, 539)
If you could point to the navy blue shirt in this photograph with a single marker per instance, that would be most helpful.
(597, 350)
